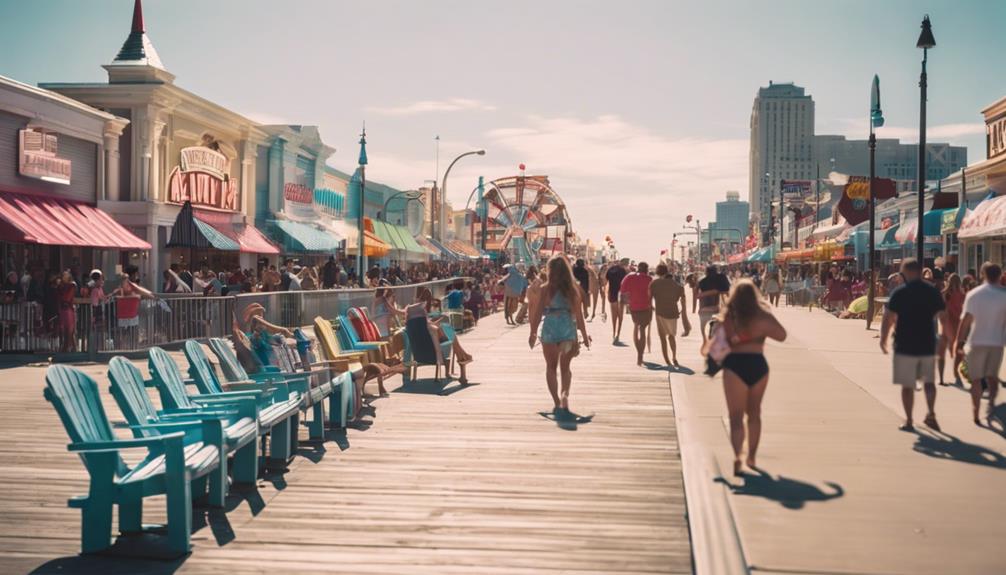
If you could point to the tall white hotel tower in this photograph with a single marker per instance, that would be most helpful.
(782, 140)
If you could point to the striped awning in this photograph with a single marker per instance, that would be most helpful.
(299, 237)
(58, 222)
(212, 230)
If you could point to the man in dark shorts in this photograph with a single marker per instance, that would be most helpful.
(712, 289)
(912, 310)
(614, 276)
(636, 287)
(583, 278)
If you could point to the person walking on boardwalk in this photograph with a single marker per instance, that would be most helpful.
(711, 290)
(953, 296)
(669, 303)
(985, 322)
(559, 305)
(912, 310)
(514, 285)
(582, 277)
(595, 292)
(614, 276)
(636, 287)
(747, 323)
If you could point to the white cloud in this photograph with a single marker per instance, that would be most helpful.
(856, 129)
(933, 133)
(428, 106)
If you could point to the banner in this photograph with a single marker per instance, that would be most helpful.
(854, 205)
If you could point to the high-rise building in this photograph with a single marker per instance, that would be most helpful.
(782, 144)
(894, 160)
(732, 218)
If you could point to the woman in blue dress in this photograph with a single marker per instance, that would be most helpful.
(560, 314)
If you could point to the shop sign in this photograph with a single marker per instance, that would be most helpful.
(201, 159)
(997, 136)
(948, 222)
(202, 177)
(298, 201)
(854, 203)
(37, 157)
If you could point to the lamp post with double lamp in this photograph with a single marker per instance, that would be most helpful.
(410, 195)
(443, 189)
(876, 121)
(926, 41)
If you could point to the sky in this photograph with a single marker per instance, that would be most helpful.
(638, 111)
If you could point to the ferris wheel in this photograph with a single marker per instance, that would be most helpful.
(526, 219)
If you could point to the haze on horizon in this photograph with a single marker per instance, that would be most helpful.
(638, 111)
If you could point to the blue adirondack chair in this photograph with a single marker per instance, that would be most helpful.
(338, 389)
(240, 429)
(312, 396)
(349, 339)
(173, 460)
(420, 348)
(204, 376)
(279, 419)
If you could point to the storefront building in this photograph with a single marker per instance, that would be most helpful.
(58, 162)
(291, 197)
(178, 149)
(981, 187)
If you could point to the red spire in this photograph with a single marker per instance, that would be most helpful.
(138, 17)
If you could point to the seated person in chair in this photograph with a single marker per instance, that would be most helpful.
(421, 309)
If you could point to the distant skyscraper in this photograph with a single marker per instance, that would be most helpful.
(782, 144)
(894, 160)
(731, 215)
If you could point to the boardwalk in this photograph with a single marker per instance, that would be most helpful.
(470, 480)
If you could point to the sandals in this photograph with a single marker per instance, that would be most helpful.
(930, 422)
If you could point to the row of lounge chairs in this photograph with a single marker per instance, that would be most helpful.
(205, 437)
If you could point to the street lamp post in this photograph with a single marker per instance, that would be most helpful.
(926, 41)
(876, 121)
(443, 189)
(359, 221)
(410, 195)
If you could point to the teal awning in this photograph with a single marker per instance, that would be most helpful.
(763, 255)
(304, 238)
(214, 237)
(889, 242)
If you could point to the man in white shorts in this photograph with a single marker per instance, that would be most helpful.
(985, 320)
(669, 304)
(913, 309)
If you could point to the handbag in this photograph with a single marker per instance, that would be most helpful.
(716, 348)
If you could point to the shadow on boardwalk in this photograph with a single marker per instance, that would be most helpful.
(788, 492)
(944, 446)
(566, 420)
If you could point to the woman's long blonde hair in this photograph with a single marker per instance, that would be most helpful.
(744, 304)
(560, 278)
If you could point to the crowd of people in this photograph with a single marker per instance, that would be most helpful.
(294, 275)
(933, 313)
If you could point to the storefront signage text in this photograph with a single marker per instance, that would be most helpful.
(997, 137)
(200, 159)
(37, 157)
(202, 178)
(298, 201)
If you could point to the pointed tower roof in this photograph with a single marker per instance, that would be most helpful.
(137, 50)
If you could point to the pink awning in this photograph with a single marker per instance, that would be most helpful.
(48, 220)
(988, 219)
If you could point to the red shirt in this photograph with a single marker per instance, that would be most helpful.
(636, 286)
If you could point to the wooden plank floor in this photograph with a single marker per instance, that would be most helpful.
(471, 480)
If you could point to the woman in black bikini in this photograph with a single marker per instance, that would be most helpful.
(748, 322)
